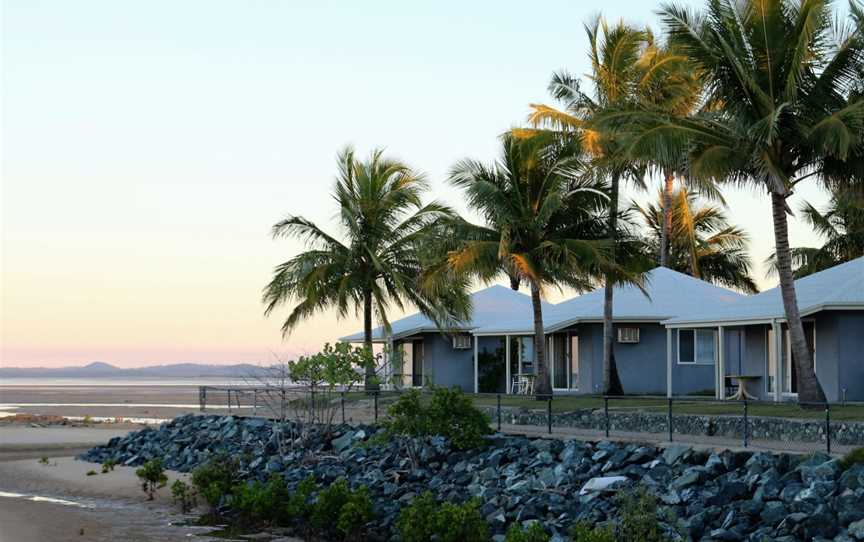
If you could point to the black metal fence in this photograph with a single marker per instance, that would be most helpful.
(694, 420)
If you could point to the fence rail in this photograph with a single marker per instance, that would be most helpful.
(744, 423)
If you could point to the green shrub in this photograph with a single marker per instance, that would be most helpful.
(152, 476)
(533, 533)
(91, 473)
(183, 496)
(339, 510)
(299, 505)
(216, 479)
(450, 414)
(854, 457)
(584, 532)
(108, 465)
(424, 519)
(637, 517)
(44, 461)
(355, 514)
(262, 502)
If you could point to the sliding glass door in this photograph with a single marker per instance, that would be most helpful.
(565, 361)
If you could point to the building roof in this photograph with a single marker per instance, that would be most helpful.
(840, 287)
(493, 304)
(667, 293)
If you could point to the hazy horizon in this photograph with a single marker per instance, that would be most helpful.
(149, 147)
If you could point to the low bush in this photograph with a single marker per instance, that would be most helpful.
(44, 461)
(216, 479)
(450, 413)
(152, 476)
(108, 465)
(258, 502)
(184, 496)
(532, 533)
(341, 511)
(637, 517)
(585, 532)
(424, 519)
(854, 457)
(92, 473)
(299, 505)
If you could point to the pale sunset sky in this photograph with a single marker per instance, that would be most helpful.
(147, 148)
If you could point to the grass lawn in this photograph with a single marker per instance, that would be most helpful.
(565, 403)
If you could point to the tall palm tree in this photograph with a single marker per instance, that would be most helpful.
(702, 243)
(787, 106)
(377, 264)
(841, 224)
(617, 66)
(543, 226)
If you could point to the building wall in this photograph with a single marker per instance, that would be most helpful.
(445, 366)
(687, 378)
(641, 366)
(827, 351)
(850, 340)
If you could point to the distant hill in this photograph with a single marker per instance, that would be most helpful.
(99, 369)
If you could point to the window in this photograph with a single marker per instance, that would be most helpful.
(628, 334)
(461, 342)
(696, 346)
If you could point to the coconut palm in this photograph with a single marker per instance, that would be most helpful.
(841, 224)
(702, 243)
(786, 94)
(542, 225)
(617, 66)
(375, 267)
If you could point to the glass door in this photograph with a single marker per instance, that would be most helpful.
(565, 362)
(417, 364)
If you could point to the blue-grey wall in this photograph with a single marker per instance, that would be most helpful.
(445, 366)
(688, 378)
(850, 327)
(641, 366)
(827, 351)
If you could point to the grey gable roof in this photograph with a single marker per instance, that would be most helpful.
(669, 294)
(492, 304)
(841, 286)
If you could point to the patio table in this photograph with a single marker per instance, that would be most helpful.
(742, 394)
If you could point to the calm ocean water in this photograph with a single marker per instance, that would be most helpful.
(91, 382)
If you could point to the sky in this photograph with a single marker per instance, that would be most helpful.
(146, 148)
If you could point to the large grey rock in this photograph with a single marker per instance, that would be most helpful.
(674, 453)
(856, 530)
(603, 483)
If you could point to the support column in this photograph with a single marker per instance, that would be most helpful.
(550, 360)
(507, 384)
(721, 361)
(669, 362)
(476, 365)
(778, 361)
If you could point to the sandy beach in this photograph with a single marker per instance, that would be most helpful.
(58, 501)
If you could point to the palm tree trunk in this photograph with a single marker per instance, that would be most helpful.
(809, 389)
(611, 381)
(666, 230)
(371, 383)
(542, 386)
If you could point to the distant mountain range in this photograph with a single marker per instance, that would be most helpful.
(99, 369)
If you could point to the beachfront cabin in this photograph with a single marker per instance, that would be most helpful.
(419, 353)
(495, 353)
(750, 339)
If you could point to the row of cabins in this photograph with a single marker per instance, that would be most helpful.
(680, 336)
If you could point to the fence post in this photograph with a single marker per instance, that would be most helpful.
(229, 400)
(669, 418)
(375, 400)
(202, 397)
(255, 401)
(282, 405)
(342, 400)
(549, 414)
(499, 412)
(828, 427)
(606, 414)
(746, 425)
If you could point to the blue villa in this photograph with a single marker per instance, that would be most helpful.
(676, 338)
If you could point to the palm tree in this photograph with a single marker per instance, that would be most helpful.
(617, 66)
(787, 106)
(842, 227)
(377, 265)
(543, 225)
(702, 243)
